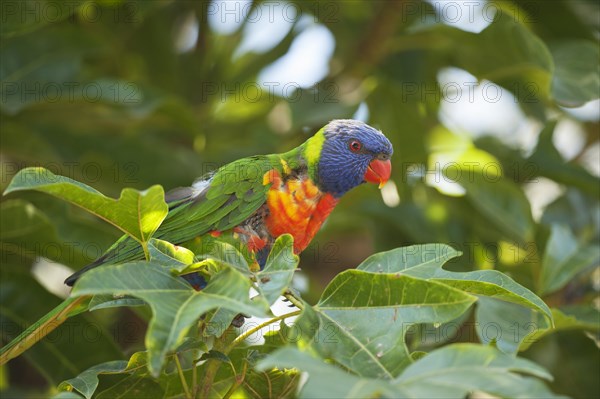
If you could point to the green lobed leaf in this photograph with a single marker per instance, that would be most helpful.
(87, 382)
(495, 284)
(225, 250)
(564, 258)
(326, 380)
(175, 305)
(424, 257)
(279, 269)
(362, 318)
(168, 254)
(425, 261)
(136, 213)
(457, 370)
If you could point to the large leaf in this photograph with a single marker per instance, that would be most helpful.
(424, 258)
(326, 380)
(425, 261)
(457, 370)
(576, 79)
(564, 258)
(136, 213)
(176, 306)
(361, 318)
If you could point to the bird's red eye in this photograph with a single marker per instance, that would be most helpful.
(355, 146)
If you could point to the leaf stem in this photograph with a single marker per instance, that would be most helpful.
(145, 248)
(297, 302)
(251, 331)
(239, 379)
(212, 366)
(38, 330)
(195, 387)
(184, 384)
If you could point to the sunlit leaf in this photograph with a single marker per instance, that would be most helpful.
(136, 213)
(168, 254)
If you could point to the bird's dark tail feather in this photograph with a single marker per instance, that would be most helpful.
(73, 277)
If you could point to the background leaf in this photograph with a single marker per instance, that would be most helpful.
(425, 261)
(564, 258)
(576, 78)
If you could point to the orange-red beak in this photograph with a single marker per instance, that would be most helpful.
(378, 172)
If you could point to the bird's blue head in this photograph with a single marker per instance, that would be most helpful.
(346, 153)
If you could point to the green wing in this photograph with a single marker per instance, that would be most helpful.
(234, 193)
(220, 203)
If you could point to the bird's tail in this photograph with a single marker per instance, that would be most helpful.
(124, 250)
(38, 330)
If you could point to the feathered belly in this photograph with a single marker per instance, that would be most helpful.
(296, 207)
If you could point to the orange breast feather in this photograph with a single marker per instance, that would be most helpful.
(296, 207)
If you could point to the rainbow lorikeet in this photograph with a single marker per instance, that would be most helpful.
(262, 197)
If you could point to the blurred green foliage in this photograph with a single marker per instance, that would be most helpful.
(101, 93)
